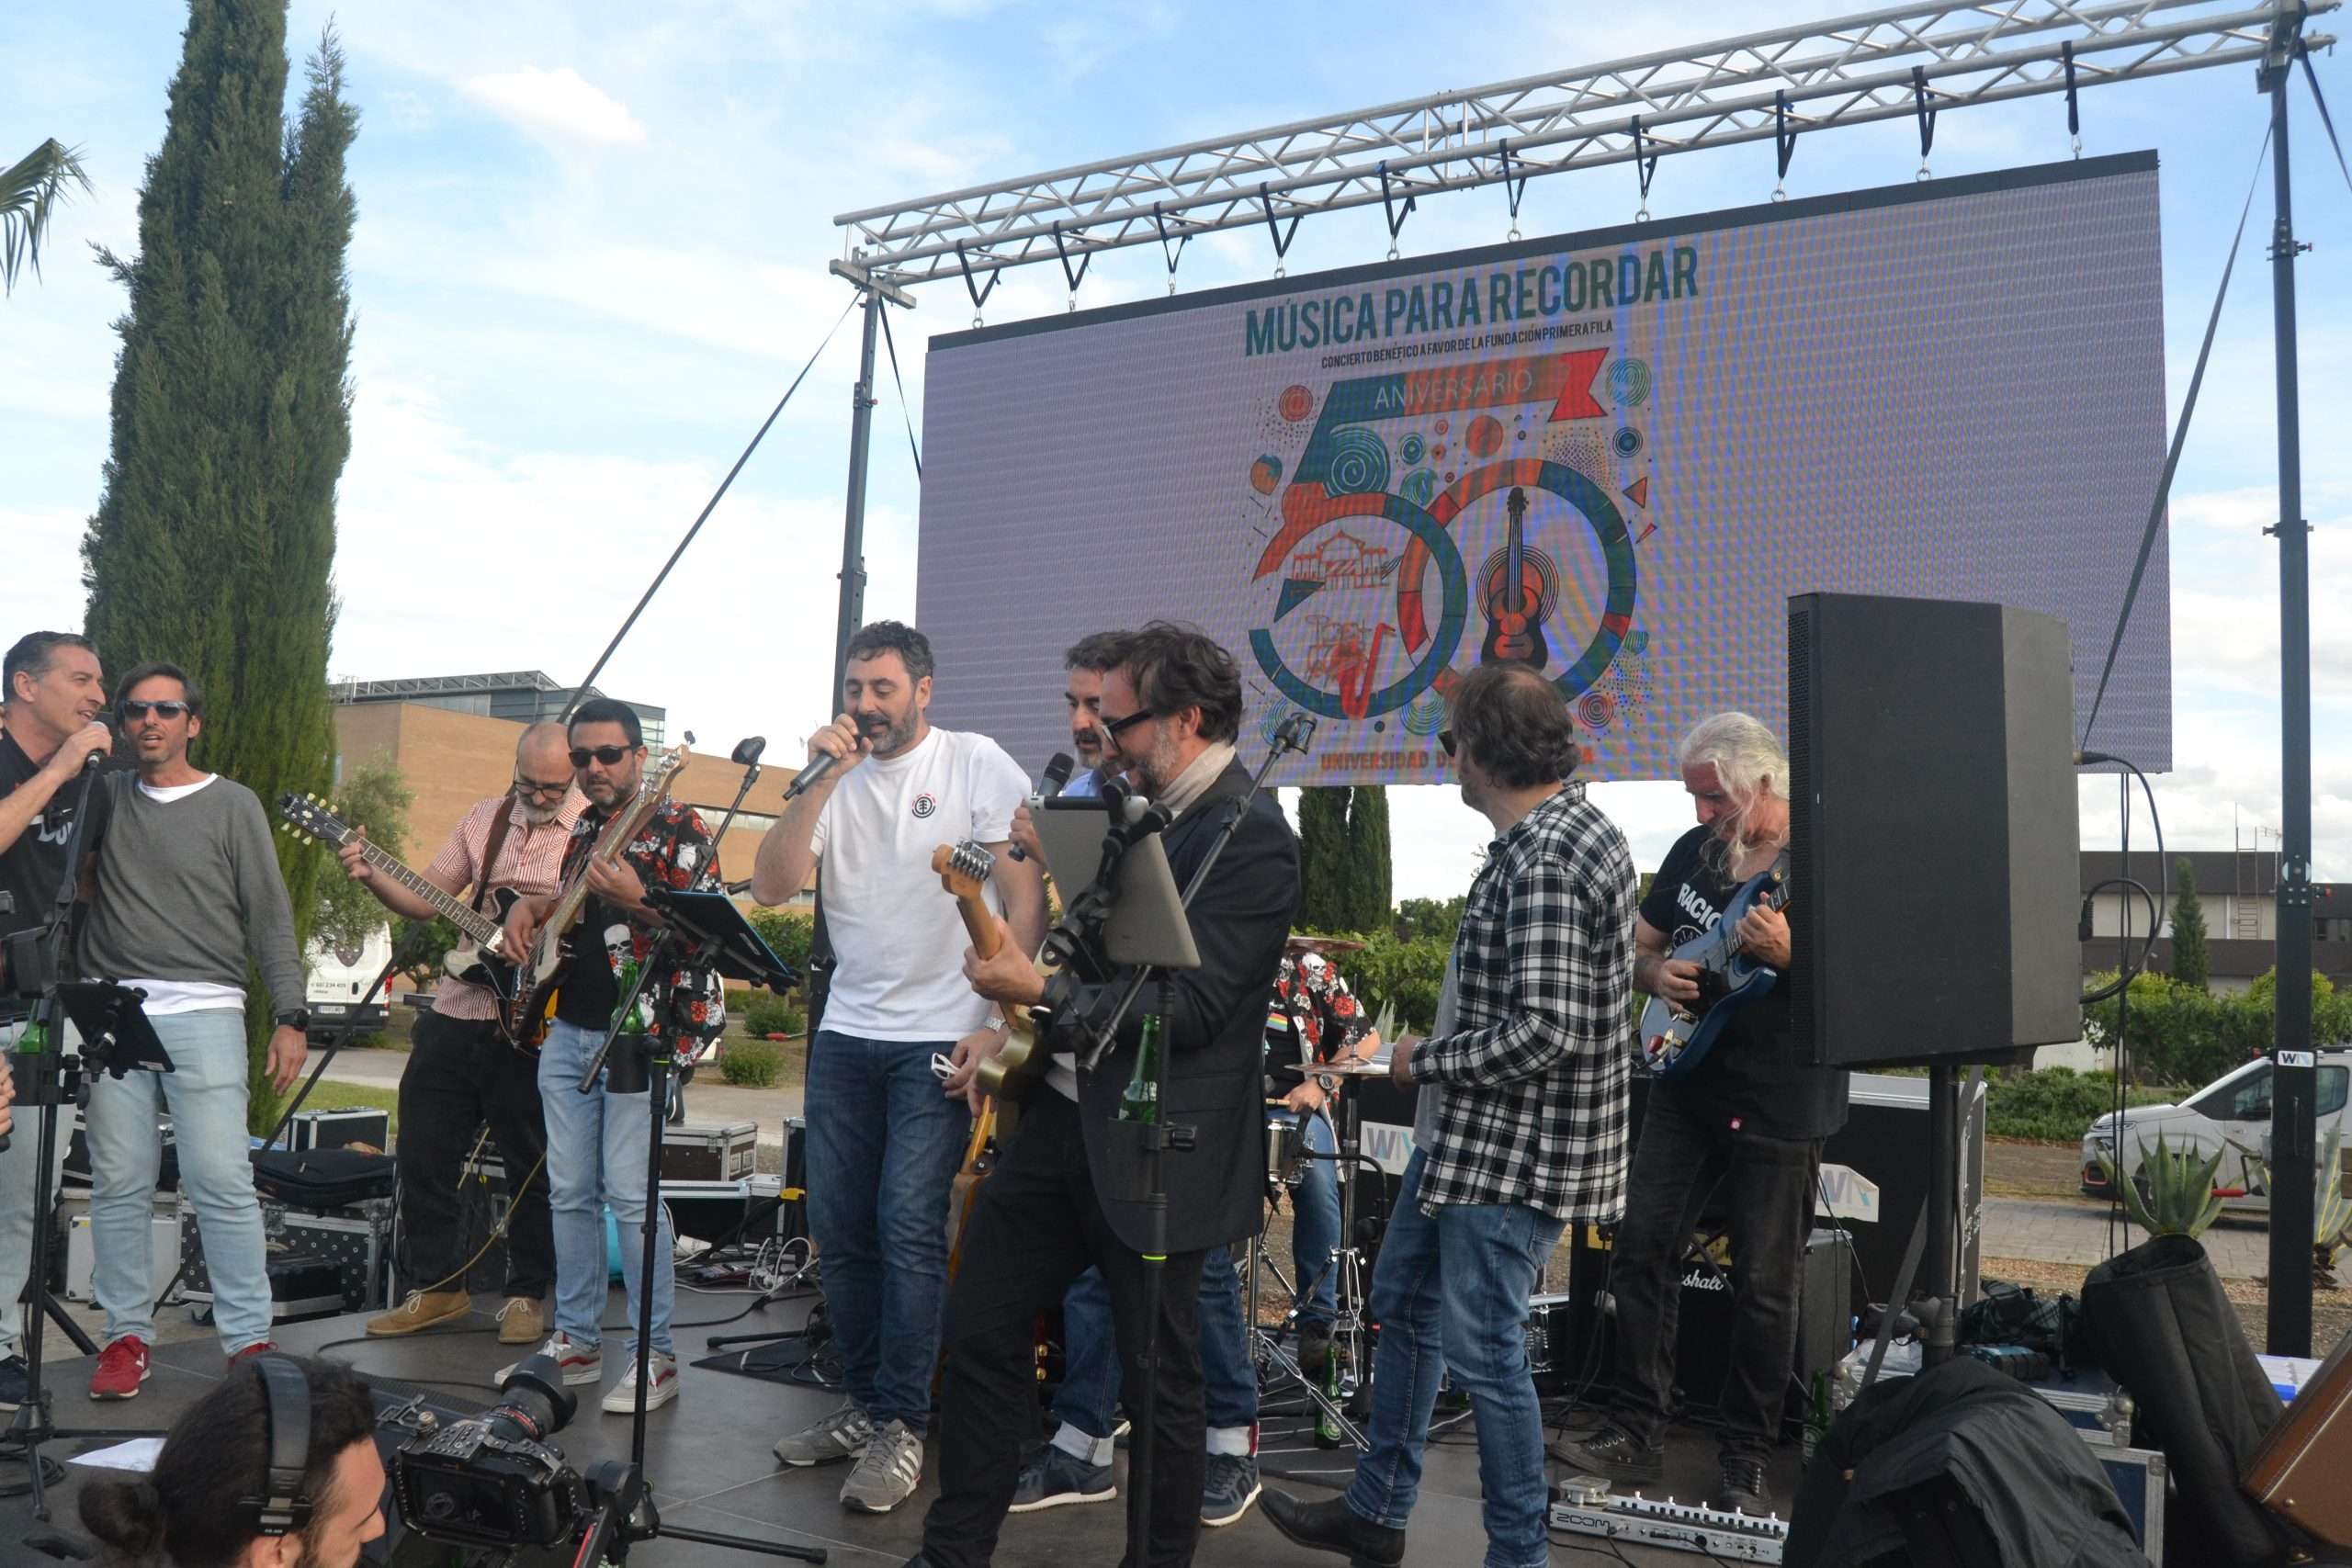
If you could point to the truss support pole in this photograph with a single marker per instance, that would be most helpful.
(879, 292)
(2293, 1072)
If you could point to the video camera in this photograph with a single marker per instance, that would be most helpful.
(494, 1479)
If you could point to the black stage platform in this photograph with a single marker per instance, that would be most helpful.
(708, 1455)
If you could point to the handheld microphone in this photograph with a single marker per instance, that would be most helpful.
(1050, 784)
(748, 751)
(818, 766)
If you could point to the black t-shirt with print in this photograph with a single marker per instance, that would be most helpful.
(590, 990)
(32, 867)
(1752, 1074)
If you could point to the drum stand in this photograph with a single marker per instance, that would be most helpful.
(1346, 1318)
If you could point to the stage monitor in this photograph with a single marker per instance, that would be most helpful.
(1932, 831)
(1951, 389)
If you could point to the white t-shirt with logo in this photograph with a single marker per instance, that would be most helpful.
(894, 928)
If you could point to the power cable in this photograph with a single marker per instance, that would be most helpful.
(906, 410)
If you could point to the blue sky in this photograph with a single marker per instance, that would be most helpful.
(591, 255)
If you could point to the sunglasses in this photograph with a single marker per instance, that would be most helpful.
(161, 710)
(608, 755)
(534, 788)
(1114, 727)
(1445, 738)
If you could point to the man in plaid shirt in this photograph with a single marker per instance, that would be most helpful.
(1520, 1131)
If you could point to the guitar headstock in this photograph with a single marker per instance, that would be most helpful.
(963, 867)
(659, 776)
(308, 819)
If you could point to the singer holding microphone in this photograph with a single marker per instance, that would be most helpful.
(54, 704)
(883, 789)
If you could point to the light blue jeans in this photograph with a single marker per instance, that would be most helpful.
(16, 1203)
(205, 1093)
(599, 1148)
(1449, 1293)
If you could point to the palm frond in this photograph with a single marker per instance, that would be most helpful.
(29, 191)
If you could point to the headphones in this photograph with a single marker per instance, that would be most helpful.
(282, 1507)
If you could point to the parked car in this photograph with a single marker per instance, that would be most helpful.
(339, 978)
(2231, 1115)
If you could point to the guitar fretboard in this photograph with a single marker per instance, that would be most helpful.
(464, 916)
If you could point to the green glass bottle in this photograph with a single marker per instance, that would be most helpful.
(636, 1022)
(33, 1037)
(1139, 1101)
(1326, 1426)
(1816, 1417)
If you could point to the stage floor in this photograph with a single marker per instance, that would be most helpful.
(708, 1458)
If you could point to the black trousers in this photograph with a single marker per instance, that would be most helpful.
(1035, 1228)
(1769, 1182)
(460, 1074)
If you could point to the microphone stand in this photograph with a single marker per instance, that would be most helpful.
(1158, 1138)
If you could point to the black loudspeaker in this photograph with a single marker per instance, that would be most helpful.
(1932, 835)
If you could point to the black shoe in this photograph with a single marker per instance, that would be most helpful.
(12, 1382)
(1743, 1489)
(1053, 1478)
(1615, 1454)
(1332, 1525)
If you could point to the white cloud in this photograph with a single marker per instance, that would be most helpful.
(559, 107)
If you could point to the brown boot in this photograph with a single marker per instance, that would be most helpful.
(521, 1321)
(423, 1309)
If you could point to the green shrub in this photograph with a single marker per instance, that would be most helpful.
(1403, 974)
(750, 1064)
(786, 930)
(2057, 1104)
(765, 1013)
(2180, 1034)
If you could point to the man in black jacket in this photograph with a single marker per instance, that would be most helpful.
(1066, 1194)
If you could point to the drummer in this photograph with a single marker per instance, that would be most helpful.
(1315, 1019)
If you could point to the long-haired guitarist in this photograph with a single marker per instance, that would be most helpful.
(598, 1146)
(1749, 1115)
(884, 1144)
(461, 1071)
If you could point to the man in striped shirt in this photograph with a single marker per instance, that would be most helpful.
(1520, 1128)
(461, 1072)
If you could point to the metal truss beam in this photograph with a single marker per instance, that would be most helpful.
(1910, 61)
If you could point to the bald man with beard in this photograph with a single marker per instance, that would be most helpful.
(461, 1071)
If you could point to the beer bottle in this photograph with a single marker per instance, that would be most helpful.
(1139, 1101)
(1326, 1426)
(635, 1023)
(1817, 1416)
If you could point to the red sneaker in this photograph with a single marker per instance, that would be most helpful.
(263, 1347)
(122, 1367)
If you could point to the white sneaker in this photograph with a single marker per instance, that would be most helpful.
(661, 1373)
(581, 1364)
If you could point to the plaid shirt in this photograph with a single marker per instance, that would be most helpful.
(1535, 1074)
(672, 850)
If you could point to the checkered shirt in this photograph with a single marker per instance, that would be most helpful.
(1535, 1074)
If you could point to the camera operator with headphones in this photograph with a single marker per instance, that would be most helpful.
(275, 1468)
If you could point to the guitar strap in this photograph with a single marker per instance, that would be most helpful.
(491, 846)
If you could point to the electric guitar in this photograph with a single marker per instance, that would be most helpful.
(1675, 1036)
(478, 959)
(542, 971)
(1516, 594)
(1012, 1072)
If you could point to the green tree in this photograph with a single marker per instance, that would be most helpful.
(1370, 871)
(2191, 965)
(374, 797)
(1431, 920)
(1323, 903)
(30, 189)
(213, 541)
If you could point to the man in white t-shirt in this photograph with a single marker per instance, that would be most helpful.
(884, 1143)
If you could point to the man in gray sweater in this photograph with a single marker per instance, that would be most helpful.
(188, 887)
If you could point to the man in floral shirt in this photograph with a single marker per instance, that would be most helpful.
(1315, 1018)
(599, 1145)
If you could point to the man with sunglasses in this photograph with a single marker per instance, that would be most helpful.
(187, 889)
(461, 1071)
(55, 704)
(599, 1149)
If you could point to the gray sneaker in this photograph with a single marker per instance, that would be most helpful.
(1228, 1488)
(886, 1472)
(842, 1435)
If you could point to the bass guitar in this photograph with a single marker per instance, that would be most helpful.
(964, 868)
(1675, 1036)
(479, 959)
(543, 970)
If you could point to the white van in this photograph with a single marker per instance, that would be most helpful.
(339, 978)
(2231, 1114)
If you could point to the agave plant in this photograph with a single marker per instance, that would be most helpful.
(2331, 1210)
(2173, 1193)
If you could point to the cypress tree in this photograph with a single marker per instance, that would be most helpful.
(214, 542)
(2190, 964)
(1323, 858)
(1369, 900)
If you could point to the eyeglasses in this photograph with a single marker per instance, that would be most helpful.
(608, 755)
(161, 710)
(1445, 738)
(1114, 727)
(534, 788)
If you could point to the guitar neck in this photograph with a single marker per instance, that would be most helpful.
(981, 925)
(609, 844)
(464, 916)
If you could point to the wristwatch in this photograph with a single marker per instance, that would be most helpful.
(293, 1018)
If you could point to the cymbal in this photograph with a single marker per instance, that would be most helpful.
(1300, 943)
(1378, 1068)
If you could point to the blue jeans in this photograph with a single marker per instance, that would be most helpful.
(1090, 1391)
(1314, 1224)
(884, 1144)
(17, 1163)
(600, 1147)
(205, 1093)
(1449, 1291)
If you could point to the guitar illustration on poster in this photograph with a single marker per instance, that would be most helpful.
(1517, 593)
